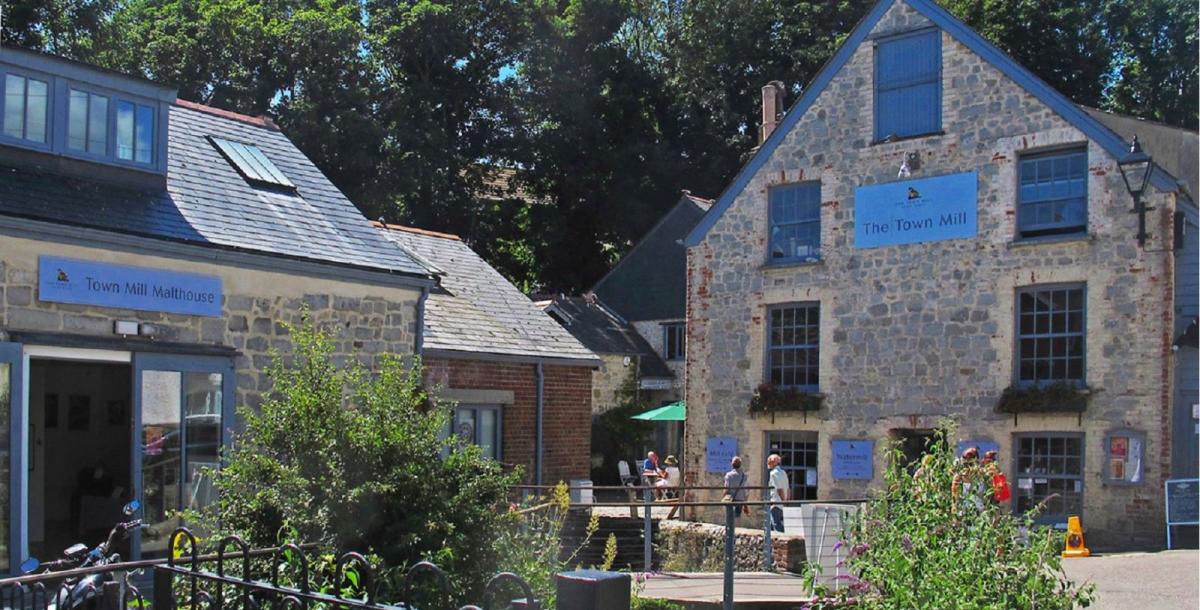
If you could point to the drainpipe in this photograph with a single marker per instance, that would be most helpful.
(419, 340)
(541, 404)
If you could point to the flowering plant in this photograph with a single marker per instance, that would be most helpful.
(925, 541)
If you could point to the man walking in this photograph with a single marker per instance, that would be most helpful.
(780, 488)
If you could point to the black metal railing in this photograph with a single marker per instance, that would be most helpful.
(185, 583)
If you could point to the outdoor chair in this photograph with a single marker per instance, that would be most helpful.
(630, 481)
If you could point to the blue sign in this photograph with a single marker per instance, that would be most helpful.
(64, 280)
(854, 460)
(915, 211)
(718, 453)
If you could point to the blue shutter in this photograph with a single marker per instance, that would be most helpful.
(908, 87)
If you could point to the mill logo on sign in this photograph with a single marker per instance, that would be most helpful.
(915, 211)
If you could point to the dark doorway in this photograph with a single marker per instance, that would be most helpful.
(80, 452)
(914, 444)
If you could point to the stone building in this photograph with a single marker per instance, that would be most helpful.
(522, 384)
(633, 319)
(647, 287)
(930, 232)
(151, 252)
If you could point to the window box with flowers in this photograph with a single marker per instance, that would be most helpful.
(774, 399)
(1061, 397)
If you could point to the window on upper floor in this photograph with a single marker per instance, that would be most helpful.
(674, 341)
(1051, 333)
(908, 85)
(793, 346)
(87, 122)
(135, 132)
(26, 107)
(794, 217)
(1052, 198)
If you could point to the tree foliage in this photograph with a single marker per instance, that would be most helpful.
(603, 109)
(357, 461)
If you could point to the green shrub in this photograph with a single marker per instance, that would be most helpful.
(920, 545)
(356, 459)
(531, 544)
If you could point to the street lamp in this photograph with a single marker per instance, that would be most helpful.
(1136, 168)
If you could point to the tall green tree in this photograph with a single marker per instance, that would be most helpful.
(1064, 42)
(440, 102)
(1155, 67)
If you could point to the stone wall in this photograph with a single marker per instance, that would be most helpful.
(566, 413)
(367, 321)
(700, 547)
(913, 333)
(652, 332)
(607, 380)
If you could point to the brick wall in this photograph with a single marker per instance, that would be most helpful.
(566, 419)
(913, 333)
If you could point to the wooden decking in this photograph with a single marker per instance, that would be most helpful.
(750, 589)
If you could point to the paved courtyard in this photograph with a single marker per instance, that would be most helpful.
(1167, 580)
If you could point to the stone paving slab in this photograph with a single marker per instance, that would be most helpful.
(1167, 580)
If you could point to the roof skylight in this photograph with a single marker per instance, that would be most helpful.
(252, 164)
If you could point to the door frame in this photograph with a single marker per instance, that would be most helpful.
(183, 363)
(18, 515)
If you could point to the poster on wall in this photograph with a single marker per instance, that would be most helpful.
(854, 459)
(916, 211)
(718, 452)
(1124, 449)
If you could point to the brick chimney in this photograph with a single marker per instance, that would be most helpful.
(772, 109)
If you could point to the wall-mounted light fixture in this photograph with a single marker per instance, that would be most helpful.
(910, 163)
(125, 327)
(1136, 169)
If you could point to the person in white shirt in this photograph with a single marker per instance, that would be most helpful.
(780, 490)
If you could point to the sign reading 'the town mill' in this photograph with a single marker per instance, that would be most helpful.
(915, 211)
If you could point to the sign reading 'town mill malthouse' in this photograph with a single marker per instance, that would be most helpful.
(65, 280)
(916, 211)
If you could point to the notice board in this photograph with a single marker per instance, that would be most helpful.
(854, 459)
(1183, 501)
(718, 453)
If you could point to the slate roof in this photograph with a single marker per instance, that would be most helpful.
(650, 281)
(474, 309)
(605, 333)
(208, 203)
(1174, 149)
(1094, 129)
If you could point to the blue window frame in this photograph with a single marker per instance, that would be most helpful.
(1053, 193)
(793, 346)
(674, 341)
(1049, 472)
(135, 132)
(794, 218)
(1051, 335)
(87, 121)
(908, 85)
(26, 105)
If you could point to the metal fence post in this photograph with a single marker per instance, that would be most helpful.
(164, 598)
(768, 555)
(730, 521)
(649, 533)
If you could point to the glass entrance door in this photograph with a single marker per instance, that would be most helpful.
(182, 420)
(11, 427)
